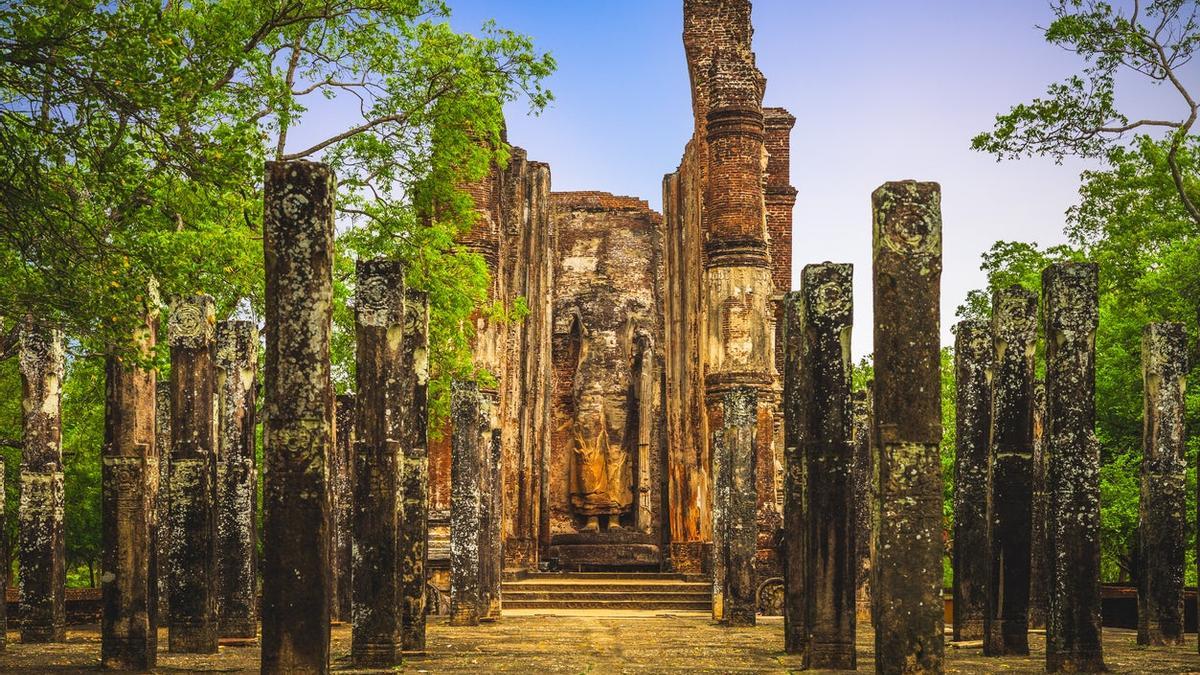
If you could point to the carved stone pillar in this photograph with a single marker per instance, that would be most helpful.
(3, 572)
(1014, 331)
(341, 505)
(162, 505)
(1070, 307)
(414, 476)
(192, 552)
(973, 351)
(298, 431)
(40, 513)
(493, 562)
(739, 539)
(1162, 521)
(907, 564)
(237, 479)
(863, 491)
(824, 423)
(466, 503)
(382, 412)
(129, 624)
(795, 521)
(1038, 564)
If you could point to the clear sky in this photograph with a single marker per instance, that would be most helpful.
(882, 90)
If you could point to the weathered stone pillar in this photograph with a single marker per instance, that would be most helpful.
(1014, 332)
(825, 427)
(414, 526)
(237, 479)
(739, 427)
(129, 624)
(1070, 306)
(298, 431)
(907, 563)
(341, 505)
(1038, 564)
(382, 412)
(162, 505)
(41, 545)
(1162, 521)
(192, 552)
(863, 491)
(491, 550)
(795, 522)
(3, 572)
(973, 411)
(466, 502)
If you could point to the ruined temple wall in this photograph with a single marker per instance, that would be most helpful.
(607, 300)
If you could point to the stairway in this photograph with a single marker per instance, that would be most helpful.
(595, 592)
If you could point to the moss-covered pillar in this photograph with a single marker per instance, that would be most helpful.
(795, 521)
(298, 430)
(237, 479)
(41, 547)
(907, 562)
(738, 433)
(863, 492)
(129, 479)
(414, 477)
(162, 505)
(825, 427)
(972, 408)
(466, 503)
(341, 505)
(1038, 564)
(382, 402)
(1162, 519)
(1071, 311)
(491, 553)
(192, 551)
(1014, 333)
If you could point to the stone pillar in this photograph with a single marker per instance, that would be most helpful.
(466, 502)
(41, 545)
(341, 504)
(414, 476)
(493, 554)
(1162, 522)
(3, 571)
(907, 564)
(129, 623)
(862, 472)
(298, 431)
(192, 551)
(739, 427)
(1070, 307)
(1014, 333)
(972, 407)
(162, 505)
(382, 412)
(795, 522)
(237, 479)
(825, 426)
(1038, 565)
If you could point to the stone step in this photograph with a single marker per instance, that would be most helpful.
(604, 596)
(592, 603)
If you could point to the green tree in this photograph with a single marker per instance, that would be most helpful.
(1079, 116)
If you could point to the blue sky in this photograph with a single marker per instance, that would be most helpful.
(882, 90)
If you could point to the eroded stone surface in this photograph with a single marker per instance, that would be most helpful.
(1070, 307)
(1009, 502)
(1162, 516)
(973, 353)
(907, 566)
(466, 503)
(739, 528)
(41, 545)
(298, 429)
(414, 527)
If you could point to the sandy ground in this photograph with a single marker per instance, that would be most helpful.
(594, 643)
